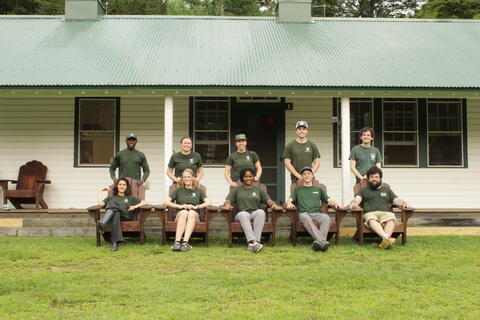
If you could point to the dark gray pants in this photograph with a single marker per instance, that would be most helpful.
(115, 222)
(307, 219)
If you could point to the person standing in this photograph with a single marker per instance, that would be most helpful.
(130, 162)
(365, 155)
(301, 153)
(241, 159)
(184, 159)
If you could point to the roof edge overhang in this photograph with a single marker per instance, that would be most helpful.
(406, 92)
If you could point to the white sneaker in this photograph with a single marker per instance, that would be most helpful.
(250, 247)
(257, 246)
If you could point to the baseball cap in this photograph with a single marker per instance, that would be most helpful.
(240, 136)
(301, 123)
(306, 168)
(131, 136)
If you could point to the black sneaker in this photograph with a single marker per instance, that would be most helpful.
(176, 246)
(316, 246)
(325, 246)
(100, 226)
(185, 247)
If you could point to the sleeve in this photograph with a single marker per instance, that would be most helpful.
(255, 157)
(200, 161)
(264, 196)
(174, 194)
(106, 200)
(230, 160)
(171, 163)
(288, 152)
(353, 154)
(134, 201)
(323, 196)
(145, 167)
(316, 153)
(361, 194)
(232, 196)
(378, 157)
(392, 195)
(294, 195)
(203, 195)
(114, 165)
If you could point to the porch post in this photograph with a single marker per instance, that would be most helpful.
(168, 139)
(346, 186)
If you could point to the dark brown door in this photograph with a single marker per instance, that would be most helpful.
(264, 125)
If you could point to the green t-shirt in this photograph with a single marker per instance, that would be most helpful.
(180, 162)
(301, 155)
(130, 164)
(309, 199)
(188, 196)
(125, 201)
(240, 161)
(365, 157)
(247, 199)
(376, 200)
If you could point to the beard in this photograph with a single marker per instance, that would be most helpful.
(374, 185)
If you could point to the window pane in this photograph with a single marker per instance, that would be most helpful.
(97, 114)
(400, 149)
(444, 116)
(96, 147)
(400, 116)
(211, 137)
(445, 149)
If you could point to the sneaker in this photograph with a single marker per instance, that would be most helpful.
(325, 246)
(316, 246)
(176, 246)
(185, 247)
(250, 247)
(391, 242)
(257, 246)
(384, 244)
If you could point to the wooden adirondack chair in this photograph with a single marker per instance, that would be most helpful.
(363, 231)
(169, 226)
(298, 230)
(30, 186)
(235, 228)
(134, 228)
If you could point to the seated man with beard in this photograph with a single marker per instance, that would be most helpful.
(376, 201)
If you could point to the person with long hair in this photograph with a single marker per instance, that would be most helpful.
(187, 199)
(247, 198)
(118, 207)
(184, 159)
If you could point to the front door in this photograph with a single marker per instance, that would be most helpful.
(264, 125)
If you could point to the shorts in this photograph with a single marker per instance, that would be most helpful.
(380, 216)
(197, 216)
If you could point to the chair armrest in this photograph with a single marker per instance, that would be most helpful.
(228, 214)
(44, 181)
(406, 213)
(159, 207)
(93, 208)
(339, 214)
(212, 209)
(357, 214)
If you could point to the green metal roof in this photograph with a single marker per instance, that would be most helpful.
(216, 51)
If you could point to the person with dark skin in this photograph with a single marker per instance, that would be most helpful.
(376, 201)
(119, 207)
(130, 162)
(247, 198)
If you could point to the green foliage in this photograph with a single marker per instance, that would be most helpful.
(69, 278)
(365, 8)
(450, 9)
(140, 7)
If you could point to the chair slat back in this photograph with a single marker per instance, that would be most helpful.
(137, 189)
(29, 173)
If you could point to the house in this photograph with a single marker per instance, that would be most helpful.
(72, 87)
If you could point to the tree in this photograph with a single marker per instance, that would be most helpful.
(450, 9)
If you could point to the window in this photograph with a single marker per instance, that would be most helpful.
(400, 147)
(361, 115)
(409, 132)
(445, 133)
(211, 129)
(96, 130)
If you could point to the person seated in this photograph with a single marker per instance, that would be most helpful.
(376, 202)
(187, 199)
(247, 198)
(309, 200)
(118, 207)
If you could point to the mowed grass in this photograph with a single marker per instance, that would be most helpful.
(69, 278)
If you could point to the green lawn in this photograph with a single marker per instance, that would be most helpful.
(69, 278)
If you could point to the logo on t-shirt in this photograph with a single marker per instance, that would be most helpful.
(315, 192)
(254, 194)
(383, 194)
(125, 200)
(248, 157)
(191, 160)
(307, 149)
(372, 155)
(193, 194)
